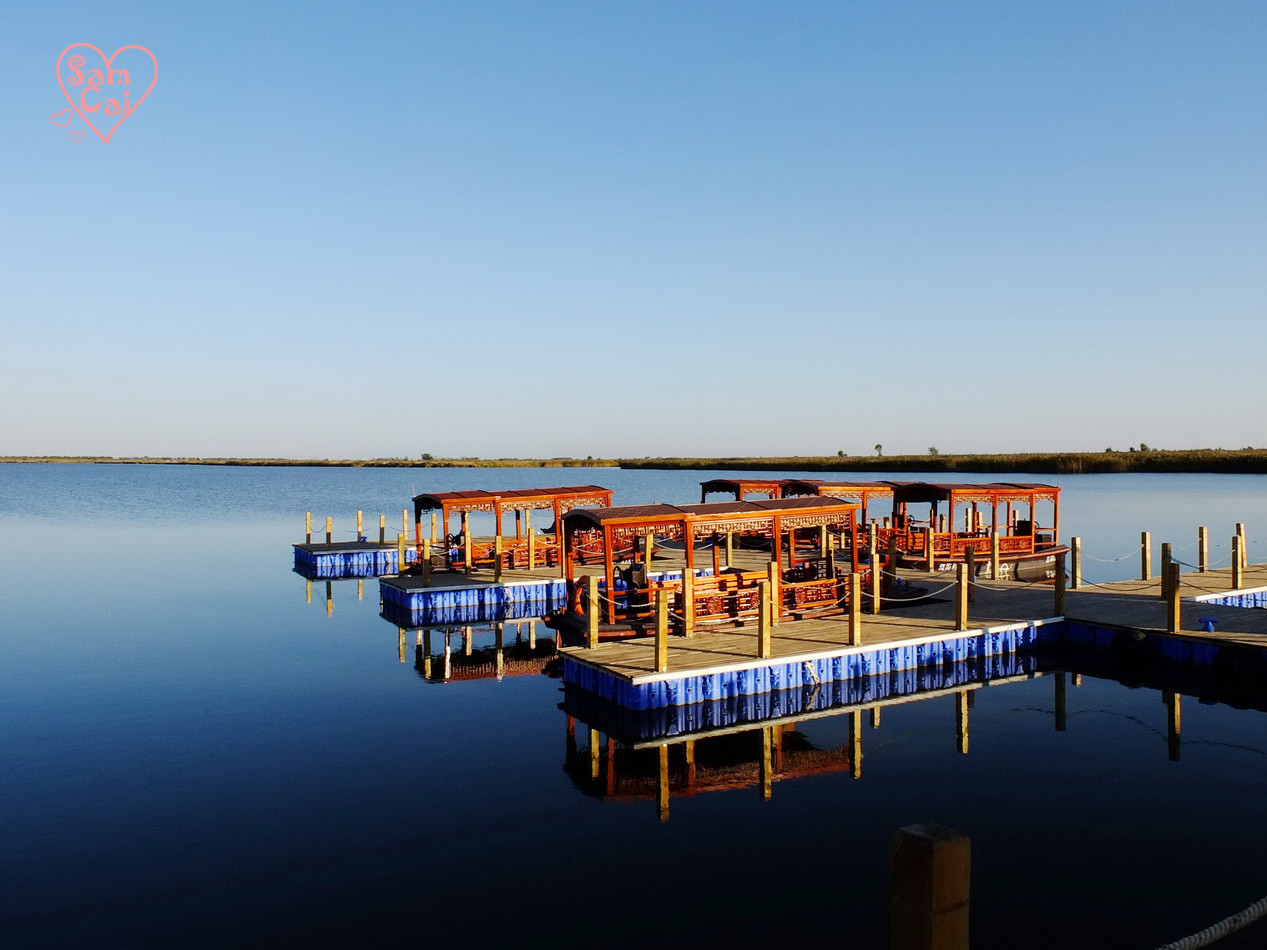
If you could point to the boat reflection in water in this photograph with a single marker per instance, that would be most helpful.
(483, 651)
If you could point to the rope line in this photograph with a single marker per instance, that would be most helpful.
(1228, 925)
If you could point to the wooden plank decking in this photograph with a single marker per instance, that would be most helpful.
(1132, 604)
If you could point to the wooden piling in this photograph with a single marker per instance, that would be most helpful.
(774, 575)
(855, 609)
(426, 562)
(1059, 606)
(532, 541)
(592, 610)
(764, 645)
(329, 599)
(1165, 569)
(400, 553)
(329, 530)
(1203, 549)
(662, 631)
(401, 634)
(360, 588)
(929, 888)
(1240, 533)
(308, 528)
(360, 524)
(497, 559)
(822, 540)
(1145, 556)
(467, 544)
(730, 548)
(1174, 616)
(994, 555)
(970, 562)
(930, 558)
(855, 743)
(308, 591)
(382, 529)
(433, 530)
(1238, 562)
(688, 601)
(961, 597)
(1075, 553)
(875, 584)
(404, 520)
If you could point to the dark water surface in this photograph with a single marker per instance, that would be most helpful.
(192, 755)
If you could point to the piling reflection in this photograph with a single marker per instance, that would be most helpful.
(479, 651)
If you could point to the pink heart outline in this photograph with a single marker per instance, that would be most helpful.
(77, 135)
(106, 137)
(64, 115)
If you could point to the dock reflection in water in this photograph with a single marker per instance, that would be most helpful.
(753, 742)
(475, 652)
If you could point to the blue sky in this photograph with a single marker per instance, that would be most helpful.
(627, 229)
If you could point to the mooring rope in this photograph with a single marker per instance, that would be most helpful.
(1227, 925)
(1113, 560)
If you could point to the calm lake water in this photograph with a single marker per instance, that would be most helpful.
(192, 755)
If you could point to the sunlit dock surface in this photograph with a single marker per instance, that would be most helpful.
(722, 661)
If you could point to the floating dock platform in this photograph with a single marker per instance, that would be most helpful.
(345, 559)
(721, 663)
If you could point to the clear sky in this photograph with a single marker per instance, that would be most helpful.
(627, 229)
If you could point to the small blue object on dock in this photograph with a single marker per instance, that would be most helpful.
(1208, 623)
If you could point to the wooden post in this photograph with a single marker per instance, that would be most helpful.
(382, 529)
(1145, 556)
(497, 559)
(1174, 616)
(1060, 585)
(662, 631)
(873, 543)
(360, 588)
(961, 719)
(763, 620)
(970, 563)
(1075, 553)
(875, 584)
(688, 601)
(400, 631)
(1238, 563)
(308, 528)
(426, 562)
(433, 529)
(308, 591)
(404, 520)
(994, 555)
(1240, 533)
(468, 641)
(1203, 549)
(855, 609)
(329, 600)
(855, 743)
(929, 876)
(774, 575)
(360, 524)
(329, 530)
(961, 597)
(1165, 569)
(467, 543)
(730, 548)
(1061, 716)
(532, 541)
(890, 567)
(400, 552)
(822, 540)
(930, 557)
(592, 609)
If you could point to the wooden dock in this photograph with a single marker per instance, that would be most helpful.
(930, 620)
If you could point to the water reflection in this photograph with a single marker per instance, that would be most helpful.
(475, 652)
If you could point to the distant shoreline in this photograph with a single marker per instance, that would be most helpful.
(1192, 461)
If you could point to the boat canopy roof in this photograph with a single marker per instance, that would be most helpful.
(818, 486)
(964, 492)
(676, 521)
(743, 486)
(513, 499)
